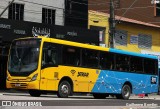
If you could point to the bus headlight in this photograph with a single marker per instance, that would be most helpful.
(34, 77)
(7, 78)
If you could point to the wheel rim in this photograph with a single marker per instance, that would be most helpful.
(64, 89)
(126, 91)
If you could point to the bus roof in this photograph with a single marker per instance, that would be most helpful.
(77, 44)
(132, 53)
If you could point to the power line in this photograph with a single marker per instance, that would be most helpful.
(134, 8)
(120, 9)
(39, 12)
(143, 15)
(68, 10)
(6, 8)
(57, 14)
(62, 16)
(62, 8)
(127, 10)
(41, 4)
(54, 8)
(99, 18)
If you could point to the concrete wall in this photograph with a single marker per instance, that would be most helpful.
(33, 9)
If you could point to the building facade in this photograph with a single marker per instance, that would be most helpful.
(130, 35)
(99, 21)
(141, 10)
(62, 19)
(61, 12)
(50, 11)
(76, 13)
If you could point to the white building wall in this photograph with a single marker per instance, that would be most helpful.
(3, 5)
(33, 9)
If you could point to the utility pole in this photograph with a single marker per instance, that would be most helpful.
(6, 8)
(111, 25)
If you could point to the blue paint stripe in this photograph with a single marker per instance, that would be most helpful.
(132, 53)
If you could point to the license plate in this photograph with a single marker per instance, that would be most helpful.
(17, 85)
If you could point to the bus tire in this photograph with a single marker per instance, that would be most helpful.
(100, 96)
(35, 93)
(64, 89)
(126, 92)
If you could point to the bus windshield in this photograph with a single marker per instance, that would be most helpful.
(23, 59)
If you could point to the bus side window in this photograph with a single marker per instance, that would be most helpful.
(136, 64)
(52, 57)
(71, 55)
(49, 56)
(122, 62)
(106, 60)
(118, 63)
(126, 63)
(90, 58)
(149, 66)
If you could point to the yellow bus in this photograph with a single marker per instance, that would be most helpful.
(43, 64)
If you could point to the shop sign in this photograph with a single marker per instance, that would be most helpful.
(5, 26)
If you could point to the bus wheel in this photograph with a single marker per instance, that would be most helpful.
(35, 93)
(126, 92)
(64, 89)
(100, 96)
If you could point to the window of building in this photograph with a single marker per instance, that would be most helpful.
(121, 37)
(16, 11)
(144, 41)
(157, 9)
(48, 16)
(102, 31)
(133, 39)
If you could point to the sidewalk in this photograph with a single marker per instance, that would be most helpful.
(150, 96)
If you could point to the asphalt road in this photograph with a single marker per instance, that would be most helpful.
(18, 100)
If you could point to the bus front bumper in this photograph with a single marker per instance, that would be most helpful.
(22, 85)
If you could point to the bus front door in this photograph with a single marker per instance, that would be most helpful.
(48, 81)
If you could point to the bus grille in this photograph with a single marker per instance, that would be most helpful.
(23, 80)
(19, 85)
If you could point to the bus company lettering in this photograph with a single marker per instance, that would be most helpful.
(83, 74)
